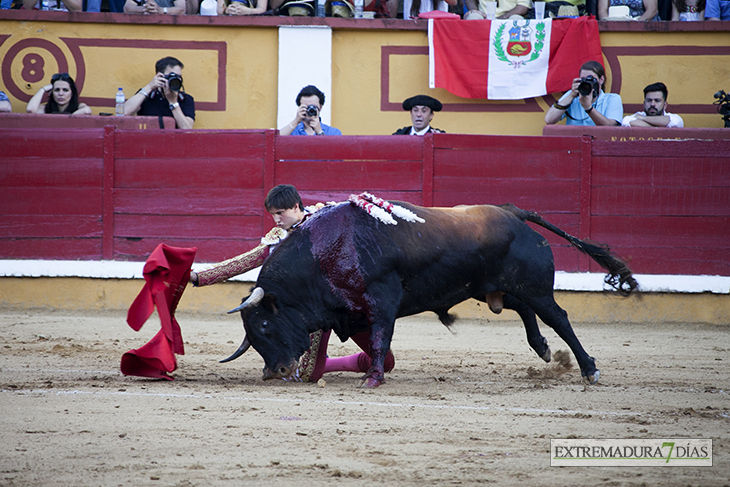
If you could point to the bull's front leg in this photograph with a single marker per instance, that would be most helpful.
(380, 338)
(383, 300)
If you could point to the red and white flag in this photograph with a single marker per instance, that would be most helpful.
(510, 59)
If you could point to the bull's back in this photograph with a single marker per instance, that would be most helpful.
(455, 254)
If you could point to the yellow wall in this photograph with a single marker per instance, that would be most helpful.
(250, 72)
(596, 307)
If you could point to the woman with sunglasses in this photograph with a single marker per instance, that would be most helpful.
(64, 97)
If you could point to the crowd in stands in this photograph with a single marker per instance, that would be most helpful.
(586, 103)
(639, 10)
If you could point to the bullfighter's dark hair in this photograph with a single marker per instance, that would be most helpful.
(73, 104)
(311, 90)
(597, 68)
(283, 197)
(657, 87)
(165, 62)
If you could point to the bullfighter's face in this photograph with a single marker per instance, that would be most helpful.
(287, 218)
(272, 335)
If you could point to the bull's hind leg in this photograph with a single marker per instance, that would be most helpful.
(538, 342)
(556, 318)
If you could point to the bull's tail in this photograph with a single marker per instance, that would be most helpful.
(619, 275)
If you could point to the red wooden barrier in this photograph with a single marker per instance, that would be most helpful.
(115, 194)
(37, 120)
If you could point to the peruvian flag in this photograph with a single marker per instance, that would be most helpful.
(510, 59)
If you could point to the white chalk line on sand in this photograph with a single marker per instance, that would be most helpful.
(300, 400)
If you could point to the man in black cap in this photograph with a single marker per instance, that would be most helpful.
(421, 108)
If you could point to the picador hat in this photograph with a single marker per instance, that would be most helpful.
(422, 100)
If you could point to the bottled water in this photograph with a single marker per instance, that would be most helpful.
(120, 103)
(320, 8)
(358, 9)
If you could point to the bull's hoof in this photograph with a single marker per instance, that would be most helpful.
(372, 380)
(370, 383)
(591, 379)
(547, 355)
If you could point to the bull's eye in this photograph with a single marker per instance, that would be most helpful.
(264, 324)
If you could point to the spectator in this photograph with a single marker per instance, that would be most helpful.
(5, 105)
(412, 8)
(639, 9)
(245, 7)
(160, 7)
(654, 114)
(158, 99)
(688, 10)
(64, 97)
(594, 108)
(95, 5)
(564, 8)
(717, 10)
(506, 9)
(421, 108)
(62, 5)
(307, 121)
(285, 206)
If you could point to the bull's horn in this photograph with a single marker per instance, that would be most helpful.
(241, 350)
(256, 296)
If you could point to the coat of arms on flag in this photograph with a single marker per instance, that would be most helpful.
(523, 40)
(510, 59)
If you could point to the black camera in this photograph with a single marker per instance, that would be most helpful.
(174, 81)
(312, 110)
(723, 106)
(589, 84)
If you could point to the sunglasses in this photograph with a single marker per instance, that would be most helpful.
(57, 76)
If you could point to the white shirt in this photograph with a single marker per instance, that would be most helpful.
(420, 132)
(426, 6)
(674, 120)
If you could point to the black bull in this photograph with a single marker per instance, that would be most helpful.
(345, 270)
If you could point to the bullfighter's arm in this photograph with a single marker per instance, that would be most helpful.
(239, 264)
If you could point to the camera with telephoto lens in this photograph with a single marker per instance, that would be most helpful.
(312, 110)
(174, 81)
(589, 84)
(723, 106)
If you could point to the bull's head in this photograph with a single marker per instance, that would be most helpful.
(272, 334)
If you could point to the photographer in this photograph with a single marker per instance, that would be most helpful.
(586, 103)
(164, 96)
(307, 122)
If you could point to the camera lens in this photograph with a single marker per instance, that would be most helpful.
(585, 88)
(175, 84)
(174, 81)
(312, 110)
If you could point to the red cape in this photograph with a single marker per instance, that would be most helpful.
(166, 272)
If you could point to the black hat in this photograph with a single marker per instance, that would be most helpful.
(422, 100)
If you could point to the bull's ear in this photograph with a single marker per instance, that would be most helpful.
(269, 303)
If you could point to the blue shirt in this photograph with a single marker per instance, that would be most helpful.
(608, 104)
(325, 128)
(718, 9)
(3, 96)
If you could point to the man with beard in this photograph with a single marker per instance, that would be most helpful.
(421, 108)
(654, 114)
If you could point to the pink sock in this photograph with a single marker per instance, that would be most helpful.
(343, 364)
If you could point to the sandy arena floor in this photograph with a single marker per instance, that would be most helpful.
(470, 408)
